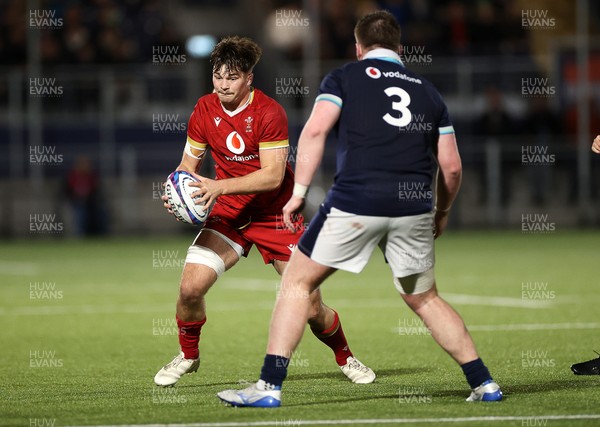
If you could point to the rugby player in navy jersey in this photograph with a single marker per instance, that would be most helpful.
(393, 133)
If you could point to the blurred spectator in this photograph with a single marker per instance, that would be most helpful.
(455, 28)
(84, 196)
(514, 38)
(92, 31)
(337, 31)
(110, 31)
(401, 9)
(496, 125)
(485, 30)
(542, 128)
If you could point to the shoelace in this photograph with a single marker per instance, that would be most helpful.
(355, 364)
(174, 362)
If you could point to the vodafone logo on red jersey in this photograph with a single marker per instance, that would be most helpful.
(235, 143)
(373, 72)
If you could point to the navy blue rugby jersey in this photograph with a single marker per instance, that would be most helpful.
(387, 134)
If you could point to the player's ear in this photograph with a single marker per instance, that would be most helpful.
(250, 77)
(359, 53)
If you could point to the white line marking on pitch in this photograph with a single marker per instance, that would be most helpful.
(533, 327)
(526, 327)
(495, 301)
(293, 422)
(18, 268)
(120, 309)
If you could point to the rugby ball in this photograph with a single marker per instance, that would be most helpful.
(178, 191)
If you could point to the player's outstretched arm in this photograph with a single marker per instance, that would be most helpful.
(310, 152)
(596, 145)
(448, 180)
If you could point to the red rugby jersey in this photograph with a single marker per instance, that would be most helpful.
(235, 140)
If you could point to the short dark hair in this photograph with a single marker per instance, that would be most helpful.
(236, 54)
(378, 28)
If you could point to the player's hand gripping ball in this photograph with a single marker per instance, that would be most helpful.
(178, 190)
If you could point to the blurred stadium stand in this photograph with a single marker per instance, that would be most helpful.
(123, 85)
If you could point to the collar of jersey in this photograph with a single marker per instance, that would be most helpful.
(383, 54)
(241, 108)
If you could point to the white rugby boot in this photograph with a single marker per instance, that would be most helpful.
(489, 391)
(357, 372)
(172, 371)
(257, 395)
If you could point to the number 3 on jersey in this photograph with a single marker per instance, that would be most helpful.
(405, 114)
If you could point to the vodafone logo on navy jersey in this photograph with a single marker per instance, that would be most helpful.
(373, 72)
(235, 143)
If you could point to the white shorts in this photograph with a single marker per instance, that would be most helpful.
(345, 241)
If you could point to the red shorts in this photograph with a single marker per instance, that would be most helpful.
(272, 238)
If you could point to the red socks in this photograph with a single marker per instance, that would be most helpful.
(334, 338)
(189, 337)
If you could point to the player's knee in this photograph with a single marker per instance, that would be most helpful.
(417, 301)
(203, 267)
(191, 293)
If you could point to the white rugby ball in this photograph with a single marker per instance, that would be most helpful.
(178, 191)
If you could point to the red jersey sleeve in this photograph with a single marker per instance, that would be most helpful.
(274, 128)
(196, 141)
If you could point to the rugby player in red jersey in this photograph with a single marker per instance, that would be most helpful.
(247, 133)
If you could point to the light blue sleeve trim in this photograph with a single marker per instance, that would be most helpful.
(446, 130)
(331, 98)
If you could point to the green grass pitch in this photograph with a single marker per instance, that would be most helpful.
(85, 326)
